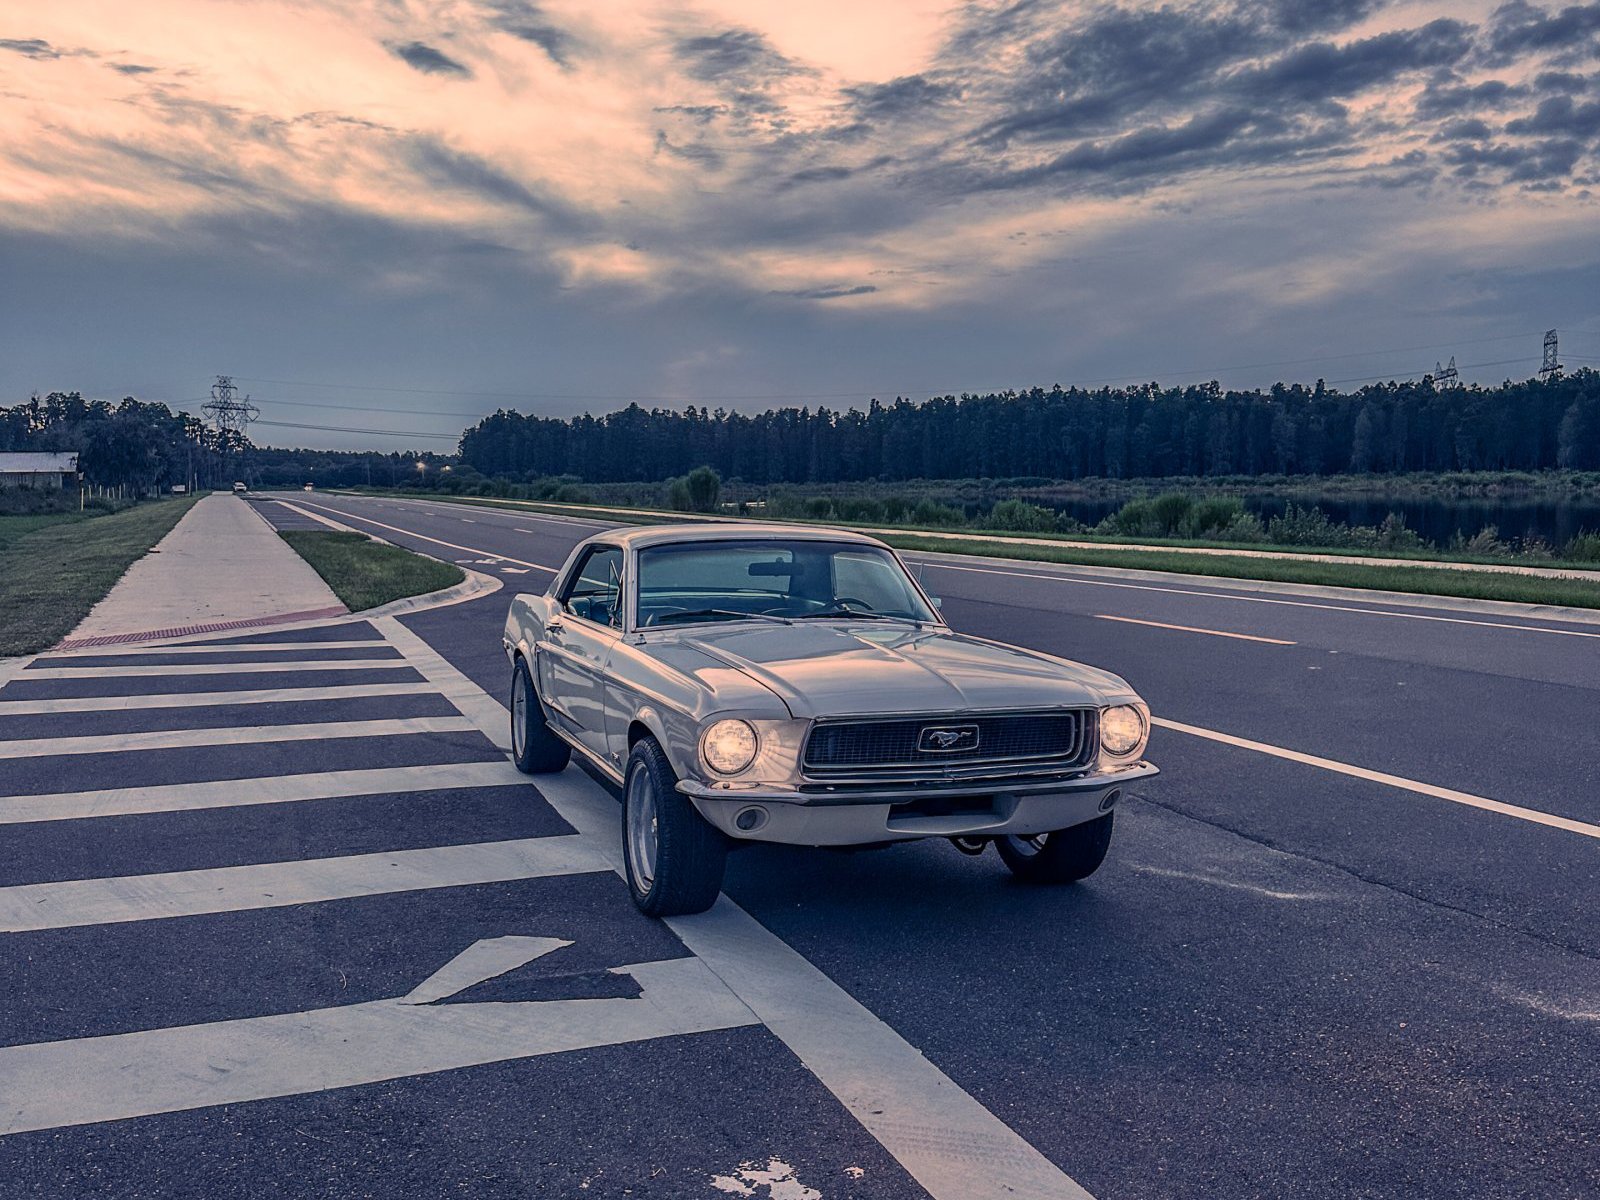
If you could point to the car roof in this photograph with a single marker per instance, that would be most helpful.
(729, 531)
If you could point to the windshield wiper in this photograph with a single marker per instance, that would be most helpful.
(854, 614)
(691, 614)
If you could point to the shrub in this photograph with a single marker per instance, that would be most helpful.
(705, 489)
(1209, 515)
(894, 508)
(1486, 542)
(1585, 547)
(1021, 517)
(1307, 527)
(930, 512)
(1393, 534)
(819, 508)
(678, 495)
(1244, 527)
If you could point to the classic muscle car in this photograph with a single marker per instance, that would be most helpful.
(758, 682)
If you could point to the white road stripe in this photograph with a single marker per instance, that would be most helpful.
(132, 670)
(82, 1081)
(440, 542)
(1150, 587)
(236, 735)
(953, 1146)
(212, 648)
(35, 906)
(239, 793)
(353, 691)
(1243, 637)
(317, 517)
(1394, 781)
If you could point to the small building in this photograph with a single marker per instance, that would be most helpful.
(37, 470)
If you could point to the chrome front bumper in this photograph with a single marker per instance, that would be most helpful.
(820, 816)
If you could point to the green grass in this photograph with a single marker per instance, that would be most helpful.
(12, 528)
(56, 568)
(1429, 581)
(364, 573)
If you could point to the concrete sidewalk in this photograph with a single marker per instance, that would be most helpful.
(221, 567)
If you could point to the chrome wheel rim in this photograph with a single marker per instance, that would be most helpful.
(643, 829)
(519, 716)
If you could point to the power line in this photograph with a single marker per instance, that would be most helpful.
(447, 437)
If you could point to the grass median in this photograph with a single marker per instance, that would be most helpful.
(54, 569)
(1429, 581)
(364, 573)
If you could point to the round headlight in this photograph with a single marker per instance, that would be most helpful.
(729, 747)
(1121, 730)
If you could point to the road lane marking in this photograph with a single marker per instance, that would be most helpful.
(1395, 781)
(34, 906)
(945, 1139)
(353, 691)
(1243, 637)
(135, 670)
(440, 542)
(84, 1081)
(1148, 587)
(236, 735)
(317, 517)
(210, 648)
(241, 793)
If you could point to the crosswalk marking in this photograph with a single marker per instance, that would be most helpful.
(132, 670)
(173, 739)
(350, 691)
(36, 906)
(239, 793)
(217, 648)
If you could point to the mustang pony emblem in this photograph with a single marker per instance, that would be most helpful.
(945, 738)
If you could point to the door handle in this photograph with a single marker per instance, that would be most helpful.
(554, 625)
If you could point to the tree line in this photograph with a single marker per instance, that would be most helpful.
(1145, 431)
(133, 444)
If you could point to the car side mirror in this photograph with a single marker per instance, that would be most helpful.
(937, 601)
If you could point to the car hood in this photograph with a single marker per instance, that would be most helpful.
(849, 668)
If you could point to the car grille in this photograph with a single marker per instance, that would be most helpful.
(1056, 738)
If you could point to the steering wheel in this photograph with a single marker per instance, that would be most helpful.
(843, 604)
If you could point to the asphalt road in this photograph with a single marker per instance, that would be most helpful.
(1366, 971)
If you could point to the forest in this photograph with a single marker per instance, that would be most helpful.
(1115, 433)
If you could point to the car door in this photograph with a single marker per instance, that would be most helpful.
(577, 643)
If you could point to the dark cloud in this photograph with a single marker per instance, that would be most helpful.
(695, 152)
(1323, 71)
(1519, 162)
(909, 95)
(1470, 129)
(30, 48)
(133, 69)
(1559, 115)
(738, 56)
(1519, 28)
(453, 168)
(531, 24)
(1447, 96)
(828, 293)
(429, 61)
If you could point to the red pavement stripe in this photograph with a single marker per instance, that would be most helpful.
(117, 639)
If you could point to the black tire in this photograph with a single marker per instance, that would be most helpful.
(674, 856)
(535, 748)
(1065, 856)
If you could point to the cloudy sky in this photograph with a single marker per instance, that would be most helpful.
(396, 216)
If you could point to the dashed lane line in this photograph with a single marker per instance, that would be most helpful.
(1395, 781)
(177, 739)
(78, 704)
(441, 542)
(35, 906)
(1222, 633)
(1150, 587)
(242, 793)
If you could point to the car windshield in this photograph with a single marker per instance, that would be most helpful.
(790, 579)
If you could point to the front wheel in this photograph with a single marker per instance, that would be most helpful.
(1063, 856)
(534, 745)
(675, 858)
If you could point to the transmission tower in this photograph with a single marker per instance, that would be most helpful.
(230, 414)
(1446, 377)
(1552, 364)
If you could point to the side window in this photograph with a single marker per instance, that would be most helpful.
(595, 591)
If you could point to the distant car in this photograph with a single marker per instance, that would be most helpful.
(308, 488)
(797, 685)
(179, 489)
(240, 489)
